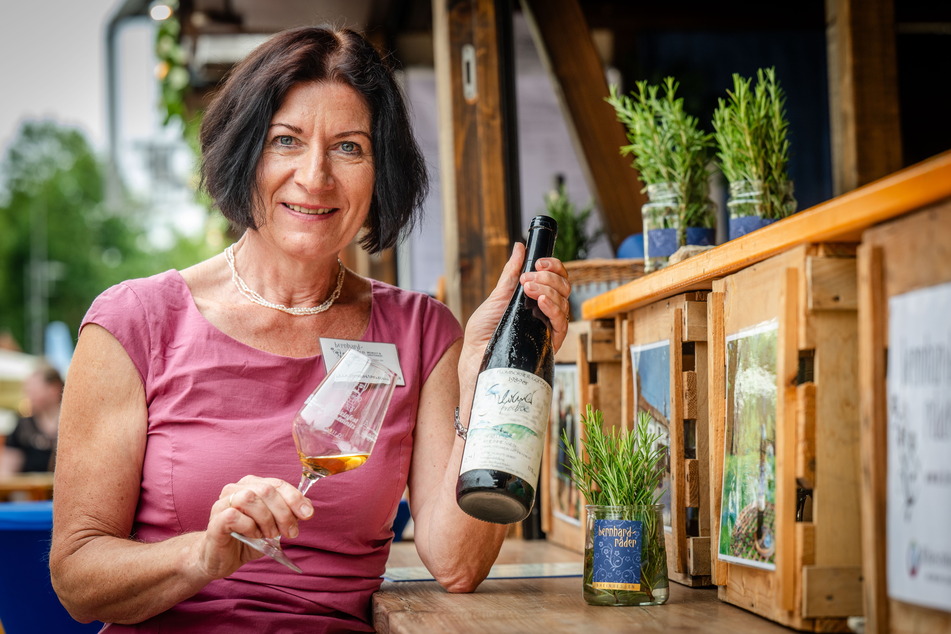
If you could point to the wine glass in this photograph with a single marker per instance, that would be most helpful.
(336, 428)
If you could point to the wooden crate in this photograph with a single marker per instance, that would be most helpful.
(805, 300)
(905, 255)
(669, 339)
(591, 355)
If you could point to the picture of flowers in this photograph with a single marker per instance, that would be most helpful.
(651, 365)
(564, 415)
(747, 520)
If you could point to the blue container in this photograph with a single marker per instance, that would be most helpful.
(632, 247)
(28, 604)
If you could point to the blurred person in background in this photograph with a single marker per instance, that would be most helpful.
(31, 447)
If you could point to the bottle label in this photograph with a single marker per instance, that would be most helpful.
(617, 555)
(507, 426)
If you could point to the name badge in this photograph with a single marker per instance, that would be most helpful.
(383, 353)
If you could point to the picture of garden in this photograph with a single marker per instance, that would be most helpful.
(747, 520)
(564, 416)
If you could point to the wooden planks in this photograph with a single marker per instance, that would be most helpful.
(816, 580)
(679, 324)
(908, 254)
(591, 347)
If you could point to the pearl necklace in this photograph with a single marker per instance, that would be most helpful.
(252, 295)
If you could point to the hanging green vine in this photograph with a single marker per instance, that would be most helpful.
(173, 76)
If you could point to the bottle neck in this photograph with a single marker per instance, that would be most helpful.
(541, 244)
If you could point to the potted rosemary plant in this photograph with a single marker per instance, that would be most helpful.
(574, 240)
(751, 133)
(620, 475)
(671, 152)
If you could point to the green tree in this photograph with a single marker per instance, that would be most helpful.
(57, 228)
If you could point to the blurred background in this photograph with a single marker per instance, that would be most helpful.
(97, 135)
(101, 101)
(76, 217)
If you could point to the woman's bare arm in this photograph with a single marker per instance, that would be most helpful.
(100, 573)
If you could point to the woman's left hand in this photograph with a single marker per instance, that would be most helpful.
(548, 285)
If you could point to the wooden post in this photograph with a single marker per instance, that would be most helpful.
(474, 157)
(863, 92)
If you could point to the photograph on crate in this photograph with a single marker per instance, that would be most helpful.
(564, 414)
(747, 521)
(651, 366)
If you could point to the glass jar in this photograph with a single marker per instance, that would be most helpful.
(753, 204)
(664, 231)
(625, 560)
(661, 220)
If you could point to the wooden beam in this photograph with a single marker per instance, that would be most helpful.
(474, 154)
(863, 92)
(565, 46)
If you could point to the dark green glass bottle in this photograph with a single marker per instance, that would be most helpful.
(511, 404)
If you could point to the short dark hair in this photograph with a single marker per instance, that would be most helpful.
(235, 125)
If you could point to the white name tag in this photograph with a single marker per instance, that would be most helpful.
(384, 353)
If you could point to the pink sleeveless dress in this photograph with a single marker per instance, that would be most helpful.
(219, 410)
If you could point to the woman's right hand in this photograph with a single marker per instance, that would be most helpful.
(253, 507)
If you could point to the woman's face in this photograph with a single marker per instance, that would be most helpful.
(316, 172)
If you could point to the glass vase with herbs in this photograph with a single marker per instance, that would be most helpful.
(671, 152)
(752, 136)
(620, 474)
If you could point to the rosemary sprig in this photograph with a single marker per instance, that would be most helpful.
(616, 468)
(752, 135)
(667, 145)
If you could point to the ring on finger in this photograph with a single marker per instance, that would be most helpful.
(231, 500)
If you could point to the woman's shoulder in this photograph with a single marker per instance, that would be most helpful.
(143, 289)
(170, 279)
(138, 295)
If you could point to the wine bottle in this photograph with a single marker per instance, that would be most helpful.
(511, 404)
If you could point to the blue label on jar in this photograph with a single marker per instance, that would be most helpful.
(661, 242)
(745, 224)
(617, 555)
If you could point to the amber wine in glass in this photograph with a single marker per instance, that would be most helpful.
(336, 428)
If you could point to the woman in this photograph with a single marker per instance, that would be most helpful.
(176, 418)
(32, 444)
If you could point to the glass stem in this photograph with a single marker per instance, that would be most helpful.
(306, 480)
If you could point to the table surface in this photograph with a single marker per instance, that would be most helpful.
(551, 604)
(32, 486)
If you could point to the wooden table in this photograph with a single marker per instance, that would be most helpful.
(33, 486)
(545, 605)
